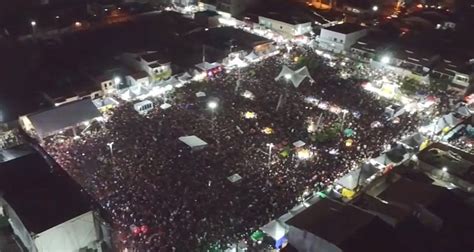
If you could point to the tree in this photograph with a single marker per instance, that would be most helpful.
(410, 86)
(438, 86)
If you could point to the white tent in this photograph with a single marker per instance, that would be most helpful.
(274, 229)
(126, 94)
(450, 120)
(234, 178)
(71, 235)
(236, 62)
(200, 94)
(165, 106)
(143, 107)
(463, 111)
(185, 77)
(193, 141)
(251, 57)
(139, 90)
(171, 81)
(296, 77)
(299, 144)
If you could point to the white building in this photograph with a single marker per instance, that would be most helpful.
(285, 24)
(153, 63)
(48, 212)
(138, 78)
(339, 38)
(232, 8)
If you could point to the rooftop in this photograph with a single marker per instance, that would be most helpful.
(223, 38)
(40, 198)
(345, 28)
(458, 163)
(346, 226)
(152, 57)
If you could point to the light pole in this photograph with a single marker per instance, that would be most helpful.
(344, 112)
(33, 27)
(111, 149)
(212, 105)
(270, 147)
(444, 172)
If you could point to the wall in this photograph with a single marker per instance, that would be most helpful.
(330, 40)
(282, 27)
(352, 38)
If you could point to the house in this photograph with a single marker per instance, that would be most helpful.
(154, 63)
(207, 18)
(231, 8)
(456, 71)
(341, 37)
(47, 210)
(138, 78)
(322, 4)
(285, 24)
(51, 121)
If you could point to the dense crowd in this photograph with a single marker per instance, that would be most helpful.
(163, 196)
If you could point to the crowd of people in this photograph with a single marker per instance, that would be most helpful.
(162, 195)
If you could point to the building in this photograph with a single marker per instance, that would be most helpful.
(73, 115)
(322, 4)
(449, 164)
(216, 44)
(288, 25)
(138, 78)
(154, 63)
(47, 210)
(340, 38)
(232, 8)
(329, 225)
(457, 72)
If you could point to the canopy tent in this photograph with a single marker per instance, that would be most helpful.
(296, 77)
(71, 235)
(463, 111)
(200, 94)
(414, 140)
(185, 77)
(348, 132)
(234, 178)
(383, 160)
(171, 81)
(274, 229)
(165, 106)
(397, 153)
(126, 94)
(450, 120)
(193, 141)
(139, 90)
(51, 121)
(299, 144)
(236, 62)
(251, 57)
(355, 177)
(143, 107)
(399, 112)
(206, 66)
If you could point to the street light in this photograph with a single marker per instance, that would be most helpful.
(385, 60)
(375, 8)
(212, 105)
(270, 146)
(111, 149)
(445, 169)
(33, 23)
(117, 80)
